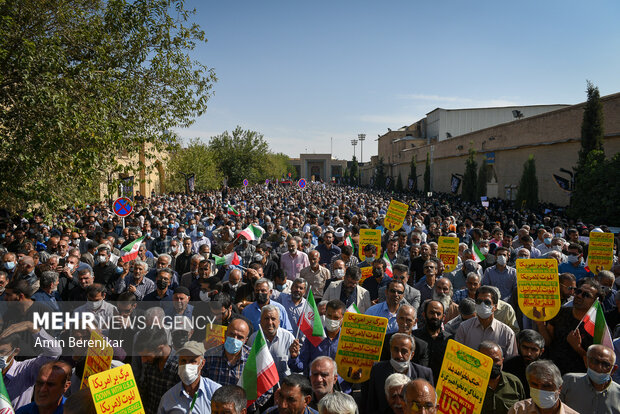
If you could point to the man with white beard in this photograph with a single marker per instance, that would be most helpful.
(442, 292)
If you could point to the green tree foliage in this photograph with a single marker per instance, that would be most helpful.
(413, 175)
(380, 175)
(481, 188)
(82, 81)
(591, 125)
(354, 172)
(195, 159)
(528, 186)
(278, 166)
(469, 192)
(399, 184)
(427, 174)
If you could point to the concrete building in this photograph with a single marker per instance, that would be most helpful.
(552, 137)
(318, 167)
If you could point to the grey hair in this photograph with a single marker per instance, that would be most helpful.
(490, 345)
(154, 313)
(395, 380)
(301, 280)
(399, 335)
(196, 256)
(606, 274)
(325, 358)
(165, 256)
(230, 394)
(544, 368)
(48, 278)
(269, 308)
(337, 402)
(140, 263)
(263, 280)
(407, 306)
(473, 274)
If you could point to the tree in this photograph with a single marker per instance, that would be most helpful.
(413, 175)
(399, 184)
(469, 178)
(591, 125)
(353, 172)
(528, 186)
(278, 166)
(85, 81)
(240, 155)
(380, 176)
(481, 188)
(196, 159)
(427, 174)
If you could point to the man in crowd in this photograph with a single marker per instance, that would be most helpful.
(531, 346)
(349, 291)
(53, 380)
(504, 389)
(323, 377)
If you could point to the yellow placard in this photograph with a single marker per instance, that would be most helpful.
(366, 273)
(115, 391)
(216, 335)
(448, 252)
(538, 287)
(463, 379)
(369, 236)
(360, 345)
(98, 357)
(601, 251)
(395, 216)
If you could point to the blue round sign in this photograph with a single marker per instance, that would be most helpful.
(122, 207)
(301, 183)
(245, 183)
(267, 181)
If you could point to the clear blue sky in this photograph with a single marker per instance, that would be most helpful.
(302, 72)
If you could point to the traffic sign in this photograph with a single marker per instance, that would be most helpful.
(301, 183)
(122, 207)
(245, 183)
(267, 181)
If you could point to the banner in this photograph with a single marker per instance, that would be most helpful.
(359, 346)
(455, 183)
(366, 273)
(115, 391)
(215, 336)
(126, 187)
(395, 216)
(388, 180)
(191, 183)
(538, 288)
(600, 251)
(410, 184)
(448, 252)
(98, 358)
(369, 236)
(562, 182)
(463, 379)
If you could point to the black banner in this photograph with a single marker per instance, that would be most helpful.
(191, 181)
(455, 184)
(126, 187)
(562, 182)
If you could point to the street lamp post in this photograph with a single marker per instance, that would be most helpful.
(354, 143)
(361, 138)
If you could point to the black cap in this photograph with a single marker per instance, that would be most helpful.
(182, 289)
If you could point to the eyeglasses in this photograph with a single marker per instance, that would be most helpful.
(417, 407)
(583, 293)
(398, 292)
(486, 302)
(429, 267)
(569, 287)
(603, 364)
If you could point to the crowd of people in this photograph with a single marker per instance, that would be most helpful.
(194, 259)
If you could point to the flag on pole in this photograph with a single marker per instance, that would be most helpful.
(349, 242)
(353, 309)
(130, 252)
(231, 210)
(594, 324)
(5, 400)
(477, 253)
(260, 373)
(229, 259)
(252, 232)
(310, 322)
(388, 265)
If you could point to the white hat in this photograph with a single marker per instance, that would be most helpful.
(339, 232)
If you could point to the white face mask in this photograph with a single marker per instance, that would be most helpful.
(573, 259)
(94, 305)
(339, 273)
(102, 259)
(188, 373)
(484, 250)
(5, 360)
(204, 296)
(331, 325)
(484, 311)
(501, 260)
(544, 399)
(399, 366)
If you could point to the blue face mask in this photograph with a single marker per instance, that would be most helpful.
(201, 233)
(597, 377)
(119, 270)
(280, 288)
(232, 345)
(9, 265)
(548, 240)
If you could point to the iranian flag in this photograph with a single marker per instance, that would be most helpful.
(130, 252)
(388, 265)
(229, 259)
(231, 210)
(5, 401)
(594, 324)
(349, 242)
(310, 322)
(353, 309)
(260, 373)
(252, 232)
(478, 256)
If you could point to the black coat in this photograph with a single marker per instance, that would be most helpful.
(420, 355)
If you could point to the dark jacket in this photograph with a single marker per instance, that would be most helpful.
(420, 355)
